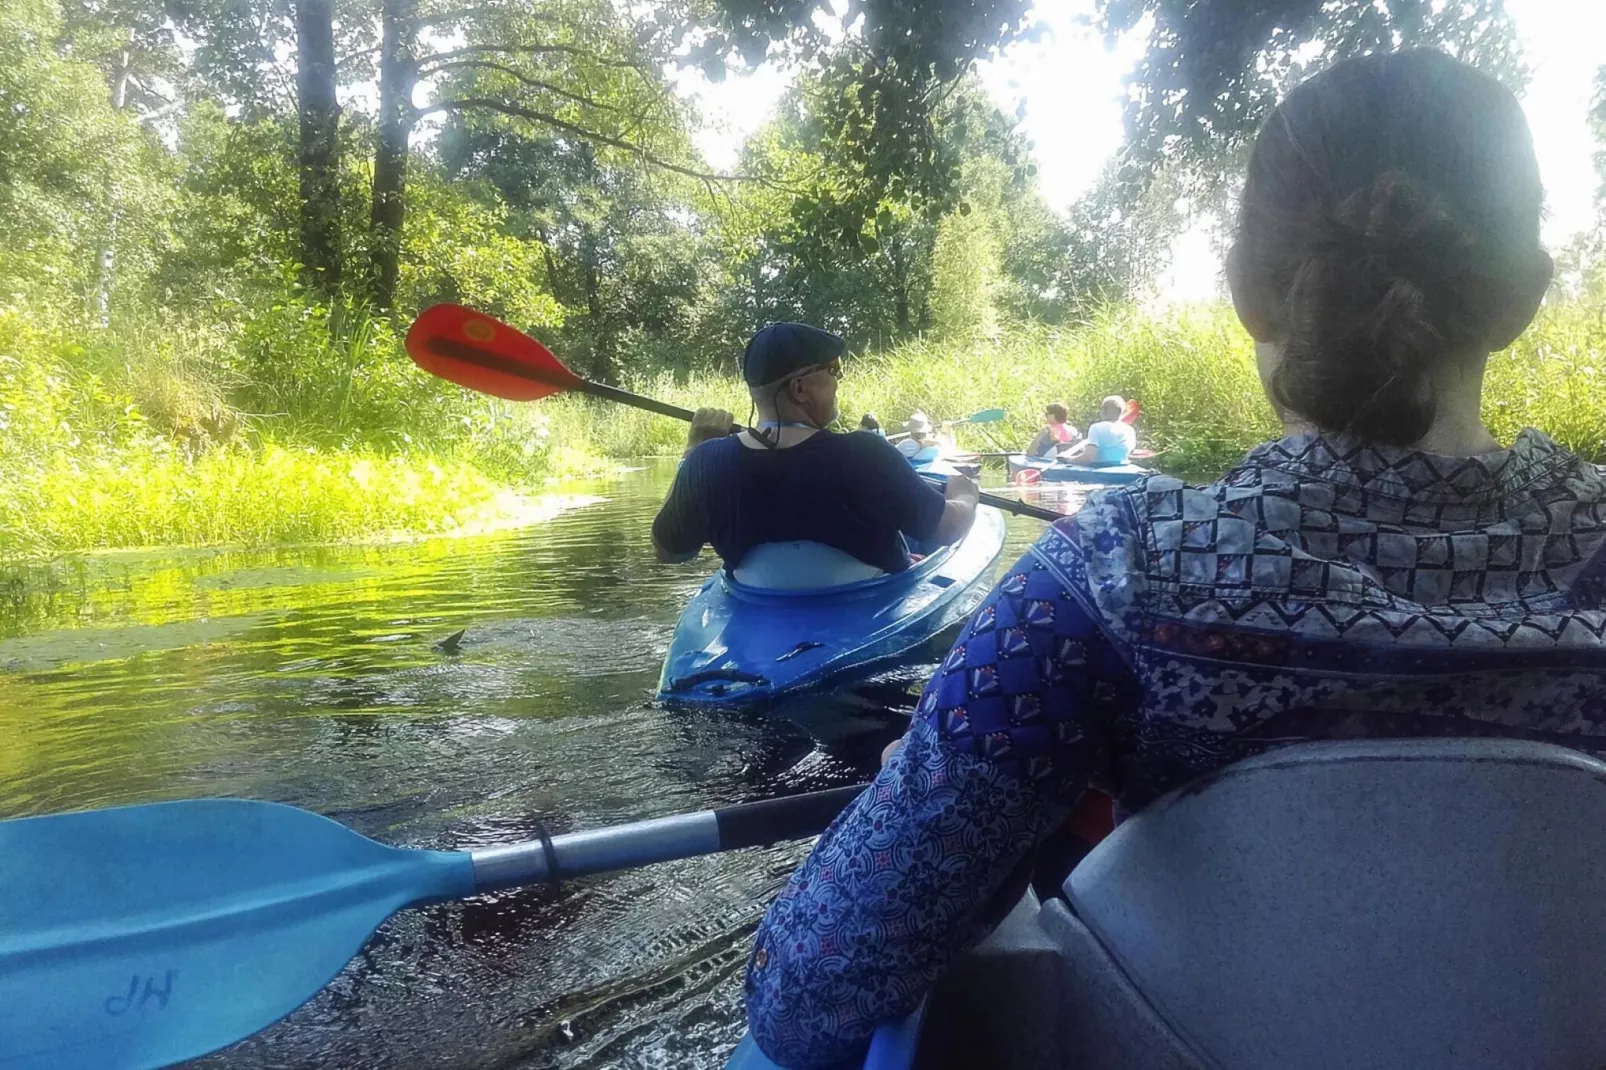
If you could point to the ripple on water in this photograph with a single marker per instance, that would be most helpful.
(311, 676)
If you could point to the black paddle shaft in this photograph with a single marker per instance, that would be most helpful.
(757, 824)
(485, 358)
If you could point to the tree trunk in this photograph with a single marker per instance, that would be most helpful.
(603, 367)
(320, 145)
(398, 72)
(900, 288)
(108, 251)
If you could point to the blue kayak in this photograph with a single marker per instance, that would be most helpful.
(1062, 472)
(931, 462)
(741, 644)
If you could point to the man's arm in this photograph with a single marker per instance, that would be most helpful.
(681, 527)
(1086, 453)
(670, 557)
(958, 509)
(901, 496)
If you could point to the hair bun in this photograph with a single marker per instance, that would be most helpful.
(1389, 220)
(1407, 224)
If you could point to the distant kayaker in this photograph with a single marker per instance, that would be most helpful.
(1056, 432)
(920, 434)
(868, 422)
(1109, 441)
(794, 482)
(1387, 569)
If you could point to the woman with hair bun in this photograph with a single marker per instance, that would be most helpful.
(1386, 569)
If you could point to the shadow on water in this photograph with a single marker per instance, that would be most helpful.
(312, 676)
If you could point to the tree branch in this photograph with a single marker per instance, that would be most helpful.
(453, 14)
(519, 112)
(343, 61)
(523, 50)
(533, 83)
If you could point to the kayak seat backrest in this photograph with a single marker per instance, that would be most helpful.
(1039, 994)
(801, 565)
(1409, 904)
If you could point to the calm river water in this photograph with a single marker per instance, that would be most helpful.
(310, 677)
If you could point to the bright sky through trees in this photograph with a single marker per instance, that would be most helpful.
(1072, 88)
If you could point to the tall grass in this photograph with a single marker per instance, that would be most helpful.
(282, 429)
(279, 429)
(1192, 369)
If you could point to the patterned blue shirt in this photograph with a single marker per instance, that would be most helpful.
(1323, 589)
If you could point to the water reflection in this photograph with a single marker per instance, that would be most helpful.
(312, 676)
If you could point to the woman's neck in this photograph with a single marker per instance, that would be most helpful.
(1457, 429)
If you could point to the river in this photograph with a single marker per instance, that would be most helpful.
(311, 676)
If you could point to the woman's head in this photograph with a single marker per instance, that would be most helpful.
(1111, 408)
(868, 422)
(1055, 413)
(1388, 240)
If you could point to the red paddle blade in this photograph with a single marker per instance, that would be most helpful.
(471, 349)
(1130, 414)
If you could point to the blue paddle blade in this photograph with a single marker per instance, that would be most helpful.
(985, 416)
(146, 935)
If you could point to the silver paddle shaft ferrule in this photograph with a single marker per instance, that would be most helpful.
(639, 843)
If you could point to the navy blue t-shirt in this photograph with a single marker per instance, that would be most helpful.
(854, 492)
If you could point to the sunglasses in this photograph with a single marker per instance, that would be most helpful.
(832, 368)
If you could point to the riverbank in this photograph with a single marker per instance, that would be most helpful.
(144, 438)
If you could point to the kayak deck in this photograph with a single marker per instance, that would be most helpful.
(1063, 472)
(738, 644)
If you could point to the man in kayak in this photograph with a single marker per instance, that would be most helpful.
(920, 435)
(1386, 569)
(791, 480)
(1056, 432)
(1109, 441)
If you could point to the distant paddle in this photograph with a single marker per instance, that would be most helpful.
(143, 936)
(985, 416)
(474, 350)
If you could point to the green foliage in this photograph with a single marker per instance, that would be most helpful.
(1212, 73)
(880, 118)
(964, 279)
(71, 166)
(165, 377)
(269, 494)
(1553, 378)
(787, 259)
(619, 249)
(133, 437)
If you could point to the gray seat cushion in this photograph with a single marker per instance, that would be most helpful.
(1417, 904)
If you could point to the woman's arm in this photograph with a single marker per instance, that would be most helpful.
(1006, 737)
